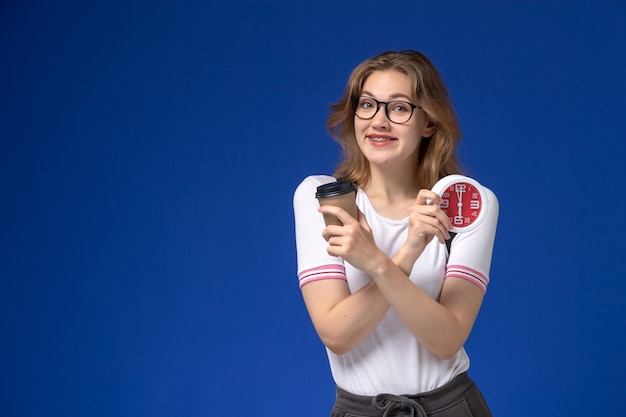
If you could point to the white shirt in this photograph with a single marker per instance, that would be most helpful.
(390, 359)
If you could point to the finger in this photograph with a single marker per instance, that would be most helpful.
(433, 219)
(332, 230)
(336, 241)
(336, 246)
(442, 218)
(428, 197)
(442, 224)
(443, 236)
(434, 228)
(445, 220)
(431, 211)
(440, 230)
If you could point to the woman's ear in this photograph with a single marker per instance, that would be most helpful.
(429, 129)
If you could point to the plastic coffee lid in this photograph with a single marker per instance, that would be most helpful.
(334, 189)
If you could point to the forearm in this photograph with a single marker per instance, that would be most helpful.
(343, 324)
(352, 327)
(406, 257)
(348, 322)
(355, 326)
(434, 325)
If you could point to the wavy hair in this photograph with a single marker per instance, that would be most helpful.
(436, 157)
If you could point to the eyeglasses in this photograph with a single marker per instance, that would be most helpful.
(397, 111)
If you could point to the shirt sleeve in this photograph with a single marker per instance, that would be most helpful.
(471, 252)
(314, 262)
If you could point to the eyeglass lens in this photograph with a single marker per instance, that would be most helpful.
(397, 111)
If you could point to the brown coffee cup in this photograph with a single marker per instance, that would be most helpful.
(342, 194)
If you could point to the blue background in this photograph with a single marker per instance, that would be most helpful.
(149, 155)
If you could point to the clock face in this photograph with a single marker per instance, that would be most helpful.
(463, 200)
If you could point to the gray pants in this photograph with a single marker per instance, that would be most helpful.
(458, 398)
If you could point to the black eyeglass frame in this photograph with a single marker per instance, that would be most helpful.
(355, 103)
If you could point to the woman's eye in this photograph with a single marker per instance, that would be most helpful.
(366, 104)
(400, 107)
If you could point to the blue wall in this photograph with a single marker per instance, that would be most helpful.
(149, 156)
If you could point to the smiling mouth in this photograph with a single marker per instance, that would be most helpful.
(379, 139)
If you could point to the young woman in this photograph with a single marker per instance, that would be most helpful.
(378, 288)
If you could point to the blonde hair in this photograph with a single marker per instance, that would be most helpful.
(437, 154)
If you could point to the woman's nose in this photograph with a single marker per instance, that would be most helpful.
(380, 119)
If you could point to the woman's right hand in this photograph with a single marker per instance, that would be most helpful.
(353, 241)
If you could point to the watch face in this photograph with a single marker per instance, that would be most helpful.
(463, 201)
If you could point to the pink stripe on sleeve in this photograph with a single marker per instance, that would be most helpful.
(332, 271)
(468, 274)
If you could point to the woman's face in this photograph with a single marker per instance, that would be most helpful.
(383, 142)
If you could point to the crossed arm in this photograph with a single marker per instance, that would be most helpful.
(343, 320)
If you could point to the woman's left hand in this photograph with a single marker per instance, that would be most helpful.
(353, 241)
(427, 220)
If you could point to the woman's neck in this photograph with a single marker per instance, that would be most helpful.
(391, 184)
(391, 193)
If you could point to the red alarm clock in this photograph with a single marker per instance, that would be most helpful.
(464, 201)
